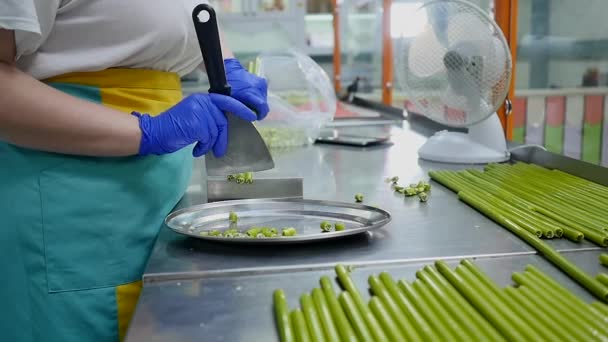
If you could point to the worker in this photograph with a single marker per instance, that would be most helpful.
(96, 147)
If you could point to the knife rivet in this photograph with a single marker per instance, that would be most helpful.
(204, 16)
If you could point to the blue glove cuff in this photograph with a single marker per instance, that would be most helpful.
(231, 64)
(145, 126)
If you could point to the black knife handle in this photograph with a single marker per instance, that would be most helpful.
(209, 41)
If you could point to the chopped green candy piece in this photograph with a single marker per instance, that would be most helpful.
(254, 231)
(231, 178)
(215, 232)
(231, 231)
(325, 226)
(269, 232)
(289, 231)
(423, 196)
(409, 192)
(232, 217)
(393, 180)
(248, 177)
(339, 227)
(359, 198)
(204, 233)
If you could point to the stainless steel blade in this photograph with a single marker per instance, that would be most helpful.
(247, 151)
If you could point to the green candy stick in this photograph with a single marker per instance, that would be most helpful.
(368, 316)
(329, 328)
(388, 324)
(407, 329)
(354, 316)
(312, 318)
(344, 328)
(282, 317)
(299, 326)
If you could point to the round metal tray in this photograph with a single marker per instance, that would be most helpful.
(303, 215)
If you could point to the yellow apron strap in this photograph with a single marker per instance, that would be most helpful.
(126, 300)
(145, 91)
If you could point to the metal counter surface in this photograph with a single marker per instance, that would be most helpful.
(443, 227)
(238, 307)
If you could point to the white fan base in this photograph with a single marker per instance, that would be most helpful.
(484, 143)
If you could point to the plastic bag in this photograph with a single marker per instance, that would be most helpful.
(300, 96)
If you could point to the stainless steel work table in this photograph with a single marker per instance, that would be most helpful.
(196, 289)
(235, 307)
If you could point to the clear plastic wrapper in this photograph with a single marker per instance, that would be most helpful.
(301, 99)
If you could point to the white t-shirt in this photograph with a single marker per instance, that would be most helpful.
(55, 37)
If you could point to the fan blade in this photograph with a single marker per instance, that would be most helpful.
(426, 54)
(467, 26)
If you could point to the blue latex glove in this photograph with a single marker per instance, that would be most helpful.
(247, 88)
(198, 118)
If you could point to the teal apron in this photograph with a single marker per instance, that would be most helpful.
(76, 232)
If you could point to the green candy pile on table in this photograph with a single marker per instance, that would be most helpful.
(533, 203)
(421, 189)
(442, 304)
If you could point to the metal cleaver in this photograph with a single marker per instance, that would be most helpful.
(246, 149)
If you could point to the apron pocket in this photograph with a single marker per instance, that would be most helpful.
(101, 217)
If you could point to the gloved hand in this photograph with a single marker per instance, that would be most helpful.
(247, 88)
(198, 118)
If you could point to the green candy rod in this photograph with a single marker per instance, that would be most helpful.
(602, 278)
(566, 312)
(600, 308)
(343, 326)
(422, 326)
(561, 291)
(513, 314)
(312, 318)
(354, 316)
(407, 329)
(446, 302)
(463, 305)
(604, 259)
(329, 328)
(299, 326)
(547, 327)
(482, 303)
(390, 327)
(416, 299)
(554, 315)
(576, 273)
(369, 318)
(449, 323)
(281, 310)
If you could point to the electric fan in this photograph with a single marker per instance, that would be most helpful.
(457, 71)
